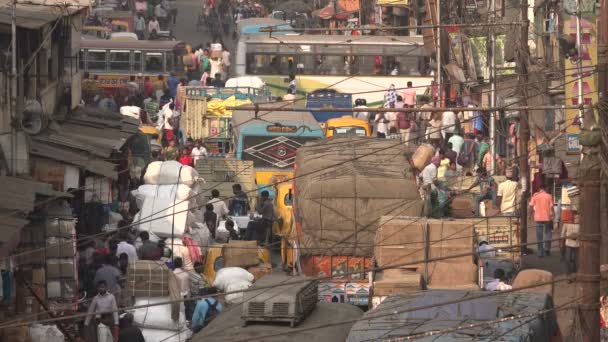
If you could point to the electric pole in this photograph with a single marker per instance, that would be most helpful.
(524, 128)
(13, 101)
(589, 175)
(493, 87)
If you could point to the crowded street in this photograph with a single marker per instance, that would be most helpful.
(303, 170)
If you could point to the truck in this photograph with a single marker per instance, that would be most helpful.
(339, 195)
(205, 116)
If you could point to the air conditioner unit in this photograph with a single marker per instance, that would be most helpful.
(280, 298)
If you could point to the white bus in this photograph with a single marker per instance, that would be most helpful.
(364, 66)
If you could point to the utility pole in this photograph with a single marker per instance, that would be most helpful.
(590, 237)
(438, 53)
(579, 61)
(13, 101)
(524, 129)
(493, 87)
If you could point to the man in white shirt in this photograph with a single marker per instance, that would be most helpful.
(448, 124)
(457, 141)
(226, 60)
(219, 207)
(127, 248)
(507, 196)
(199, 151)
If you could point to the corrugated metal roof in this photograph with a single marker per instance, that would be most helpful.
(73, 157)
(32, 16)
(17, 194)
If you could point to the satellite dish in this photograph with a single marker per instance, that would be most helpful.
(32, 120)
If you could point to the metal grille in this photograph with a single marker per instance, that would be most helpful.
(280, 309)
(256, 309)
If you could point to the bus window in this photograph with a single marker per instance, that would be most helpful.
(153, 62)
(119, 60)
(136, 61)
(81, 60)
(96, 60)
(366, 65)
(170, 60)
(409, 65)
(305, 64)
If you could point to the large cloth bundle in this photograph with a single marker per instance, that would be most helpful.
(157, 316)
(158, 335)
(343, 187)
(164, 217)
(170, 172)
(146, 278)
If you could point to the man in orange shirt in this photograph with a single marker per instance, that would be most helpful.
(542, 204)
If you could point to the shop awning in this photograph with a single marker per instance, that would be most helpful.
(341, 10)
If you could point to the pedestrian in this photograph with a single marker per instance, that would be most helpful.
(487, 189)
(448, 124)
(457, 141)
(185, 157)
(153, 26)
(484, 147)
(434, 130)
(109, 274)
(390, 96)
(542, 205)
(570, 234)
(183, 282)
(104, 308)
(160, 12)
(361, 104)
(217, 81)
(206, 310)
(261, 229)
(125, 247)
(219, 206)
(171, 153)
(168, 121)
(289, 97)
(507, 196)
(140, 26)
(409, 95)
(130, 332)
(226, 60)
(450, 153)
(172, 83)
(198, 152)
(239, 204)
(210, 218)
(198, 282)
(381, 125)
(429, 174)
(148, 250)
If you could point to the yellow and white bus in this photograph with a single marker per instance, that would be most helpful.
(361, 65)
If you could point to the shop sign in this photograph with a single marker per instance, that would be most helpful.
(574, 146)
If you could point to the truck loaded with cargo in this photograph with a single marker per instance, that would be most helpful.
(340, 194)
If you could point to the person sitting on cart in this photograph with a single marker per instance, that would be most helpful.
(239, 204)
(261, 228)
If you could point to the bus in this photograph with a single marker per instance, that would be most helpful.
(112, 62)
(270, 140)
(362, 65)
(347, 126)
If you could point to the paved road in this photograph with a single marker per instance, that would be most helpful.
(185, 28)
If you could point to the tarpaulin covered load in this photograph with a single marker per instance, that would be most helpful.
(396, 317)
(343, 186)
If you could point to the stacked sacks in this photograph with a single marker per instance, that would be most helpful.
(168, 200)
(230, 280)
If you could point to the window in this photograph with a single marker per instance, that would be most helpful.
(119, 60)
(136, 61)
(349, 131)
(153, 62)
(288, 200)
(96, 60)
(170, 60)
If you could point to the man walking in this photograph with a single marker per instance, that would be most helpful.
(507, 196)
(140, 26)
(104, 308)
(542, 204)
(487, 189)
